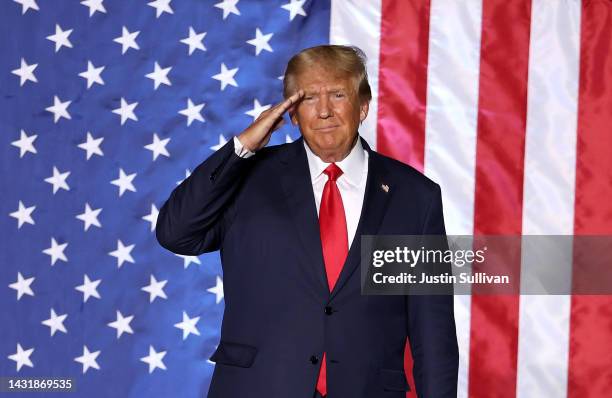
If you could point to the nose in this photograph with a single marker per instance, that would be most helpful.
(324, 107)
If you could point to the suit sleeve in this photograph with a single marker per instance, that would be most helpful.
(199, 211)
(431, 327)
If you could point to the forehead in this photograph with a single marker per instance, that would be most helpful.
(317, 79)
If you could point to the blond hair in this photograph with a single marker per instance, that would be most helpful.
(348, 61)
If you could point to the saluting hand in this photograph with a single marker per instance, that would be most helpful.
(257, 135)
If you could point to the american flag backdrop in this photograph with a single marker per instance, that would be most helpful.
(106, 105)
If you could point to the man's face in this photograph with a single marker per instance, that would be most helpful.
(329, 113)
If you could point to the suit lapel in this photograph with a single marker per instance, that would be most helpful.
(372, 212)
(296, 183)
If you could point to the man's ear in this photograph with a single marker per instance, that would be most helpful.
(364, 107)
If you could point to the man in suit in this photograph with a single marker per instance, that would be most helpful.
(288, 220)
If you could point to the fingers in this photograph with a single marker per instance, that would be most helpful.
(281, 108)
(267, 122)
(280, 123)
(276, 112)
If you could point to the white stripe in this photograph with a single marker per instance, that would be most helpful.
(357, 23)
(451, 128)
(548, 201)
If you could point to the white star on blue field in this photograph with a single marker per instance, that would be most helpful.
(105, 106)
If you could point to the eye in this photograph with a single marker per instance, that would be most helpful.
(339, 95)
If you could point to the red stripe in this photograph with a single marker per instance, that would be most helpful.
(590, 351)
(402, 91)
(498, 198)
(402, 87)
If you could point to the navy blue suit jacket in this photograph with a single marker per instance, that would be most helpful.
(279, 314)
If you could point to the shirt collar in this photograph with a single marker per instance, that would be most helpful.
(351, 166)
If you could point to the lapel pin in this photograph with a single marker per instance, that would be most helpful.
(385, 188)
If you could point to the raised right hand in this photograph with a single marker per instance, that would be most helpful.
(257, 135)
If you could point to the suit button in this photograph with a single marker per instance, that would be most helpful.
(314, 360)
(328, 310)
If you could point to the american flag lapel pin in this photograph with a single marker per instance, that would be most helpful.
(385, 188)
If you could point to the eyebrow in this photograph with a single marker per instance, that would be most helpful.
(332, 90)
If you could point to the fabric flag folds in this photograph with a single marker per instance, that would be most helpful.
(106, 105)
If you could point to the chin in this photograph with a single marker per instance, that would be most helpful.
(327, 141)
(328, 146)
(329, 152)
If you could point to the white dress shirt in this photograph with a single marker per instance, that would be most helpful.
(351, 183)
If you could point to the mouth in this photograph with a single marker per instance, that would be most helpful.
(325, 129)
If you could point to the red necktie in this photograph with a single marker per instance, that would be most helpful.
(334, 241)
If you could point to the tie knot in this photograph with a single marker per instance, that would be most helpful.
(333, 172)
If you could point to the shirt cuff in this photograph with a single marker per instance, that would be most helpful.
(241, 150)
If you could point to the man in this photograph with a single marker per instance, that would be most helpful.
(288, 221)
